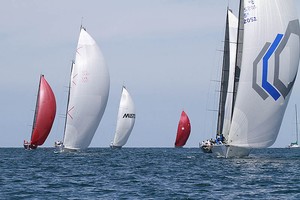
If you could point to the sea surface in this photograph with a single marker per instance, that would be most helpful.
(148, 173)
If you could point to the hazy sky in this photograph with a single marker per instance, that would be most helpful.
(166, 52)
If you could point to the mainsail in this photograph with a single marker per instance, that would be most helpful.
(183, 130)
(125, 120)
(45, 111)
(227, 79)
(88, 95)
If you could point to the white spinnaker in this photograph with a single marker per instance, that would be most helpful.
(233, 25)
(89, 90)
(256, 121)
(126, 119)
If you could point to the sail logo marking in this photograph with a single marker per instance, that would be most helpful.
(129, 115)
(68, 113)
(277, 88)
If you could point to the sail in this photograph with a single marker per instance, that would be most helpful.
(226, 94)
(89, 90)
(44, 113)
(126, 119)
(269, 65)
(183, 130)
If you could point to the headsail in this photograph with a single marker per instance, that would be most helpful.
(89, 90)
(44, 114)
(183, 130)
(126, 119)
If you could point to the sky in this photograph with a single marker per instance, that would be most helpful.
(168, 54)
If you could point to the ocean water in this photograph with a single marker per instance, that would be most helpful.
(148, 173)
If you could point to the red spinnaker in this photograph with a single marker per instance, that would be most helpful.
(183, 130)
(45, 113)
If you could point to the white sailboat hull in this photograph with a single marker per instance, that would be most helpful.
(229, 151)
(293, 146)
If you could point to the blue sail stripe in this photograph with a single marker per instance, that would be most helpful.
(265, 84)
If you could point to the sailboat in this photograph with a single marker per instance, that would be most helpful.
(266, 65)
(125, 120)
(183, 130)
(88, 94)
(45, 111)
(295, 144)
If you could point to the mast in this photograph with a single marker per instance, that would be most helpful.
(239, 49)
(69, 88)
(36, 107)
(296, 124)
(224, 79)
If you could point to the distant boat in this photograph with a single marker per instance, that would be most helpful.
(295, 144)
(183, 130)
(267, 59)
(125, 120)
(45, 111)
(88, 95)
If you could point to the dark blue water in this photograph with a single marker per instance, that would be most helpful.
(148, 173)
